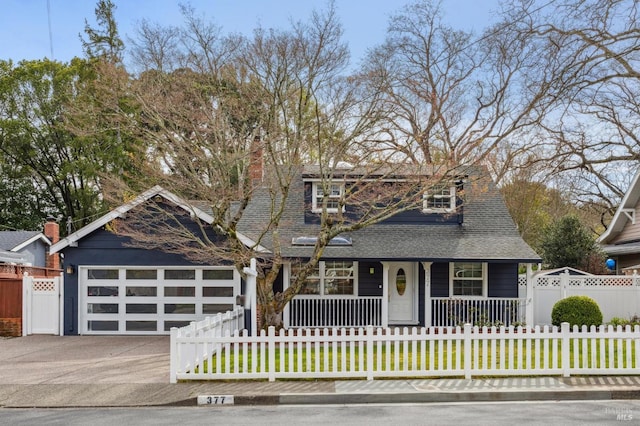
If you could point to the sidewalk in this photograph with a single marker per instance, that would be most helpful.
(321, 392)
(113, 371)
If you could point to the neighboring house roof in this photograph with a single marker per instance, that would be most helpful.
(624, 227)
(72, 239)
(15, 241)
(488, 232)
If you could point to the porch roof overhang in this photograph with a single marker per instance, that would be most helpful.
(439, 243)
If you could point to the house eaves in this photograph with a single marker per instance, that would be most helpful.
(623, 213)
(72, 239)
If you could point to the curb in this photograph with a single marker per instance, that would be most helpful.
(426, 397)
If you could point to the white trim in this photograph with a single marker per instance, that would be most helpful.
(629, 201)
(427, 292)
(631, 214)
(72, 239)
(485, 274)
(428, 194)
(315, 200)
(322, 277)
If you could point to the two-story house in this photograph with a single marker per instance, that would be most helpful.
(442, 263)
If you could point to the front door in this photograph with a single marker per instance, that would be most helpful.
(402, 293)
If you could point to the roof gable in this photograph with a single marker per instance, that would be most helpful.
(118, 212)
(17, 240)
(625, 216)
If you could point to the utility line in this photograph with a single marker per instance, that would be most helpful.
(50, 32)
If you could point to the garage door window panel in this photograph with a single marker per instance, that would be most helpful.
(95, 291)
(142, 325)
(142, 291)
(102, 274)
(180, 274)
(179, 308)
(218, 274)
(102, 325)
(217, 291)
(102, 308)
(142, 308)
(142, 274)
(216, 308)
(179, 292)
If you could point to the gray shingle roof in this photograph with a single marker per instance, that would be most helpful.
(11, 239)
(487, 233)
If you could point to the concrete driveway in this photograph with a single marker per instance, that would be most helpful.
(42, 359)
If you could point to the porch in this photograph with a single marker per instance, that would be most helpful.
(404, 293)
(372, 311)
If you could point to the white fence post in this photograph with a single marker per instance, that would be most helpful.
(566, 347)
(370, 345)
(272, 353)
(26, 303)
(468, 363)
(529, 299)
(173, 356)
(564, 284)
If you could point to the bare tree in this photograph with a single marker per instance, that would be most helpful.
(452, 97)
(154, 47)
(593, 125)
(280, 98)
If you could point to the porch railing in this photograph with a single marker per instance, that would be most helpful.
(448, 312)
(336, 312)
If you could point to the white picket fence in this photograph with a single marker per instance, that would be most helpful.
(370, 353)
(186, 356)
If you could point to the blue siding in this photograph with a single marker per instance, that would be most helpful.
(35, 253)
(440, 280)
(369, 284)
(404, 218)
(503, 280)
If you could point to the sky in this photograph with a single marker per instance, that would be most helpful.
(34, 29)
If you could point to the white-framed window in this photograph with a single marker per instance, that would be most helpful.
(330, 278)
(468, 279)
(439, 199)
(335, 193)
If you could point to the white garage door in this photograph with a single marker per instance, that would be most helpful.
(152, 300)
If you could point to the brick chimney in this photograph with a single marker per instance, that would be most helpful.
(52, 232)
(256, 161)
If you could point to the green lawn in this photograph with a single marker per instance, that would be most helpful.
(437, 357)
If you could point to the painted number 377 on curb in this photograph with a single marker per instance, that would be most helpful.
(215, 400)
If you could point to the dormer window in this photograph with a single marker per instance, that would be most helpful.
(440, 199)
(335, 193)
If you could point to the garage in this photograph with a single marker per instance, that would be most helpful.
(152, 300)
